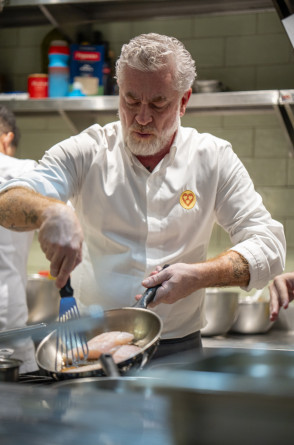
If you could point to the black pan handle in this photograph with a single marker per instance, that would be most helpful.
(109, 366)
(149, 294)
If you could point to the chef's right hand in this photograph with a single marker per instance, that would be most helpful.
(61, 239)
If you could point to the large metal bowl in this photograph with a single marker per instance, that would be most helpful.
(221, 310)
(42, 299)
(230, 397)
(253, 318)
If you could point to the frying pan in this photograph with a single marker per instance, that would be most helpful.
(145, 325)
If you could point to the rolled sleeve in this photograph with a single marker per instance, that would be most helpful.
(254, 233)
(264, 261)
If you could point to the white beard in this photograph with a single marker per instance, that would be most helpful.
(141, 147)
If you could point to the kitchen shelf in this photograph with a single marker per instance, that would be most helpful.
(242, 100)
(62, 12)
(279, 102)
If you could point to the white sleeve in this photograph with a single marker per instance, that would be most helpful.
(60, 172)
(253, 232)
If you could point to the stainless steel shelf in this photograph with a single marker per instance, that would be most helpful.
(95, 103)
(239, 100)
(280, 102)
(242, 100)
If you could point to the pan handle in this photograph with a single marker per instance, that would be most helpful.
(148, 295)
(109, 366)
(24, 331)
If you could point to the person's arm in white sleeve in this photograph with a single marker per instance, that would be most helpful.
(254, 234)
(60, 234)
(37, 200)
(258, 251)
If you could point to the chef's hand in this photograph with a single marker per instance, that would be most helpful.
(177, 281)
(281, 293)
(61, 238)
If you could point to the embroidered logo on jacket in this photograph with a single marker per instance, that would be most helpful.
(188, 199)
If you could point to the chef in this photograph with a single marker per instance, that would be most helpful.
(14, 247)
(147, 192)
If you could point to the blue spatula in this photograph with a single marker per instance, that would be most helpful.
(71, 346)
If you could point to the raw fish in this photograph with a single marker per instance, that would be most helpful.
(107, 343)
(125, 352)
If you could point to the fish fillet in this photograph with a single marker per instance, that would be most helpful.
(104, 343)
(125, 352)
(107, 343)
(116, 343)
(120, 354)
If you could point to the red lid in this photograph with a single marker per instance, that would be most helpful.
(44, 273)
(58, 50)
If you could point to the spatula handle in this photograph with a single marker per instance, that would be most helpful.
(66, 290)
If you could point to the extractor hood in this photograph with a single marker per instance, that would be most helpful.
(62, 12)
(285, 10)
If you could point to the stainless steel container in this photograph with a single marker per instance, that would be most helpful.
(9, 369)
(42, 299)
(207, 86)
(221, 310)
(253, 318)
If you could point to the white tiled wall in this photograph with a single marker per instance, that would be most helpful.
(246, 52)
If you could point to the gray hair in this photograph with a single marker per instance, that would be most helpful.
(152, 52)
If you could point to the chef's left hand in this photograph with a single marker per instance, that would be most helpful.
(177, 281)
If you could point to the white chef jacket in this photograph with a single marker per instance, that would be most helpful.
(14, 250)
(133, 220)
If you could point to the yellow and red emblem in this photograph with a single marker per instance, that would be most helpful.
(188, 199)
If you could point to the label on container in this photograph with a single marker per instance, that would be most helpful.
(87, 61)
(38, 86)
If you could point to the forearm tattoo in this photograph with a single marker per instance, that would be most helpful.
(14, 217)
(31, 217)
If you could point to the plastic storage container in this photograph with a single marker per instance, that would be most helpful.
(58, 69)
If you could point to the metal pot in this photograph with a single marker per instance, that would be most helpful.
(42, 299)
(9, 369)
(145, 325)
(207, 86)
(221, 310)
(253, 318)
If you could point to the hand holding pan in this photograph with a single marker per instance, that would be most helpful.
(148, 295)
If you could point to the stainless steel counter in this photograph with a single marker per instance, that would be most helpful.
(275, 339)
(240, 396)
